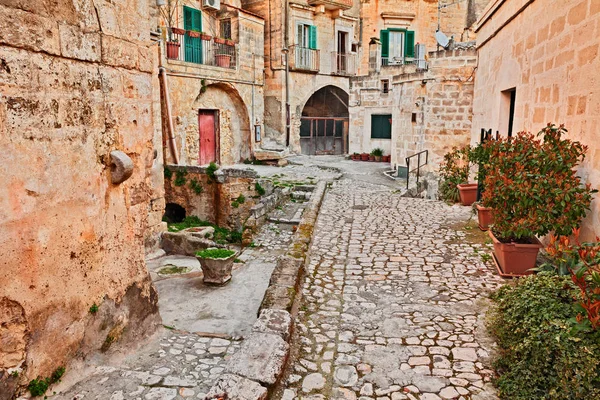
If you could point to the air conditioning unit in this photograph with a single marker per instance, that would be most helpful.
(213, 4)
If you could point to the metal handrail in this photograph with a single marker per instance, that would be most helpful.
(418, 167)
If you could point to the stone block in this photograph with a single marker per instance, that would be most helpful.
(79, 45)
(236, 387)
(119, 53)
(279, 297)
(261, 358)
(278, 322)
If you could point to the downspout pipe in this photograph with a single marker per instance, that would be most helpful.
(170, 131)
(288, 112)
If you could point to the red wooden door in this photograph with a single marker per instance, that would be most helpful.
(208, 142)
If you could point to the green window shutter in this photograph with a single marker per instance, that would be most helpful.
(187, 18)
(381, 127)
(312, 37)
(409, 44)
(385, 42)
(197, 21)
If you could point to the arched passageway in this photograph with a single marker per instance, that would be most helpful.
(324, 122)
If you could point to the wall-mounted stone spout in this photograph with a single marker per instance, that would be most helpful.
(121, 166)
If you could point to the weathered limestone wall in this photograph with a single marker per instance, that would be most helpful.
(215, 203)
(236, 93)
(420, 16)
(76, 82)
(302, 84)
(431, 110)
(549, 53)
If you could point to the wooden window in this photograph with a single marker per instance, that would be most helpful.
(397, 45)
(226, 28)
(192, 21)
(381, 126)
(385, 85)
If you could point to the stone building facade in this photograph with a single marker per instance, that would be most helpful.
(76, 84)
(544, 56)
(215, 85)
(320, 40)
(411, 94)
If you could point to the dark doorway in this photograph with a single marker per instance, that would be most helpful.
(507, 111)
(174, 213)
(324, 122)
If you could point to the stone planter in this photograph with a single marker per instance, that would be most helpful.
(468, 193)
(485, 217)
(377, 158)
(515, 259)
(217, 271)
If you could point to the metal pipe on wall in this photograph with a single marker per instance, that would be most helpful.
(170, 130)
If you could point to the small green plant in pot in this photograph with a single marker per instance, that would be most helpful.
(377, 153)
(533, 188)
(216, 265)
(480, 155)
(454, 171)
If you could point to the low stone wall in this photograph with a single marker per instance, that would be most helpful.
(261, 360)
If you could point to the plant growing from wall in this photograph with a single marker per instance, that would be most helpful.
(241, 199)
(210, 171)
(39, 386)
(94, 308)
(533, 187)
(196, 186)
(168, 173)
(259, 189)
(454, 170)
(180, 175)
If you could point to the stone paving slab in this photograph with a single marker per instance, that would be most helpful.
(394, 302)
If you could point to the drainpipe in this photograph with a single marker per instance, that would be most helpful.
(286, 49)
(163, 80)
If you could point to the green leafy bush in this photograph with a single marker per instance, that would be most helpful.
(542, 355)
(39, 386)
(210, 171)
(377, 152)
(215, 253)
(196, 186)
(221, 236)
(180, 175)
(454, 170)
(533, 187)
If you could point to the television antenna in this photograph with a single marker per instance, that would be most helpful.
(440, 7)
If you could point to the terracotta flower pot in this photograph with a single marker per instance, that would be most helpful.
(205, 37)
(371, 158)
(485, 216)
(364, 157)
(178, 31)
(377, 158)
(194, 34)
(468, 193)
(220, 41)
(217, 271)
(515, 259)
(385, 158)
(223, 60)
(173, 50)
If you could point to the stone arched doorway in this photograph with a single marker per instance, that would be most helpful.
(223, 104)
(324, 122)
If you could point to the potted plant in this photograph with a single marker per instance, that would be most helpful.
(454, 171)
(205, 36)
(219, 40)
(216, 265)
(355, 156)
(377, 153)
(194, 34)
(386, 158)
(480, 155)
(364, 157)
(533, 188)
(169, 14)
(223, 60)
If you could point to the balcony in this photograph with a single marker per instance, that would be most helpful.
(343, 63)
(304, 59)
(197, 48)
(332, 5)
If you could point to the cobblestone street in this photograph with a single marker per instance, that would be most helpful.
(394, 302)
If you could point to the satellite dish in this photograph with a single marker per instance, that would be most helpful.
(442, 39)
